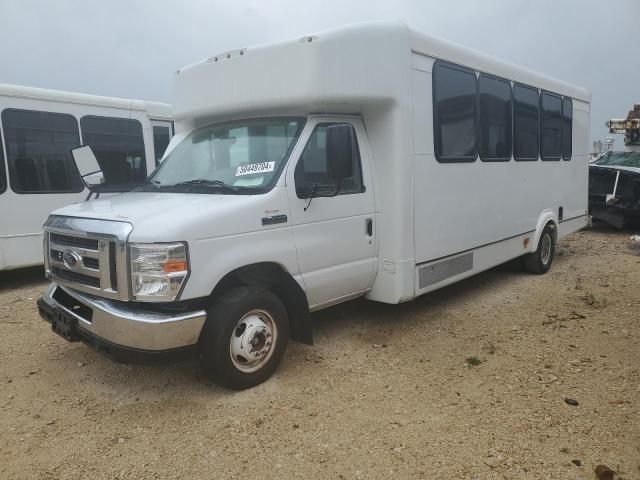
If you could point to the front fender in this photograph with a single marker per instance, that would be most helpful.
(213, 258)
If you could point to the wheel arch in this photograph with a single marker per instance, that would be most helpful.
(547, 217)
(275, 278)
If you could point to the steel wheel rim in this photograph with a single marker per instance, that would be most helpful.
(545, 254)
(253, 340)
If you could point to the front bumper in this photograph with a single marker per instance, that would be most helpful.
(118, 327)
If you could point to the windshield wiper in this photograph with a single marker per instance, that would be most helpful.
(216, 184)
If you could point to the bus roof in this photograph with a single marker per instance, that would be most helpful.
(339, 70)
(153, 109)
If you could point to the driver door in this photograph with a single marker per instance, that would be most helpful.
(334, 235)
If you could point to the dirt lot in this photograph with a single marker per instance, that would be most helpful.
(384, 393)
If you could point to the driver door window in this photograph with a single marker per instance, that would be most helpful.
(312, 166)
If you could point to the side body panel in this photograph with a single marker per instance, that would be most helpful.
(487, 208)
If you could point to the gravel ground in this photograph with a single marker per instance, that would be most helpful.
(386, 392)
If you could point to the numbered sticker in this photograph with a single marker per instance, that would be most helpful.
(252, 168)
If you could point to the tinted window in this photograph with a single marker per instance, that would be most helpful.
(161, 137)
(454, 109)
(525, 123)
(494, 126)
(550, 126)
(567, 128)
(3, 178)
(118, 146)
(39, 151)
(312, 166)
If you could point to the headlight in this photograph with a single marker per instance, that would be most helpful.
(158, 270)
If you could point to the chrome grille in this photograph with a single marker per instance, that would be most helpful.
(72, 241)
(80, 260)
(88, 255)
(72, 276)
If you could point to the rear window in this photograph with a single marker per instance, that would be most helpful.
(39, 148)
(3, 175)
(567, 128)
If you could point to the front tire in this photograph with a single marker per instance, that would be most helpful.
(244, 337)
(540, 261)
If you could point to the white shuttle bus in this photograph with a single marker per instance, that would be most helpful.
(370, 160)
(37, 175)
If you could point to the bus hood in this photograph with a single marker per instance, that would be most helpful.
(169, 217)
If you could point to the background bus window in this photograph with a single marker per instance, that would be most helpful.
(550, 126)
(119, 148)
(567, 128)
(525, 123)
(494, 119)
(39, 151)
(455, 105)
(161, 138)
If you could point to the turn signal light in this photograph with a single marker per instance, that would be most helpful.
(173, 266)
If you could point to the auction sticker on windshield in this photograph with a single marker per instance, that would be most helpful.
(255, 168)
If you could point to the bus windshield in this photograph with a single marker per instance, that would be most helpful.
(236, 157)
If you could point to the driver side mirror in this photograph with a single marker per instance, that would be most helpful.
(340, 146)
(88, 166)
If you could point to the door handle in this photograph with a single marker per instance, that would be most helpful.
(369, 227)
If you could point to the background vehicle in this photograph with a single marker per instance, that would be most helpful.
(37, 175)
(428, 163)
(614, 188)
(629, 127)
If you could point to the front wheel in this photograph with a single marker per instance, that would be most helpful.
(540, 261)
(244, 337)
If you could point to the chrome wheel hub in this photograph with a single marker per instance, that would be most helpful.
(545, 254)
(252, 341)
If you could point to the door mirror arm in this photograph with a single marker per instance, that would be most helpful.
(311, 192)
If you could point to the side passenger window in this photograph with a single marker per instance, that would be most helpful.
(455, 110)
(161, 139)
(119, 147)
(550, 126)
(39, 151)
(3, 180)
(311, 169)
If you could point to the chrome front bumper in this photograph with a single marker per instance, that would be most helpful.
(112, 321)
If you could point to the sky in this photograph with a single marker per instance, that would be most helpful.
(131, 48)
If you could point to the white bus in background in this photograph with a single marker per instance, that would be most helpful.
(37, 175)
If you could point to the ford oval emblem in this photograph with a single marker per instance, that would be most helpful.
(71, 259)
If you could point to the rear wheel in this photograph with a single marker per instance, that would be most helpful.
(540, 261)
(244, 337)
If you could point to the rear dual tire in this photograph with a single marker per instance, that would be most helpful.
(244, 337)
(540, 261)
